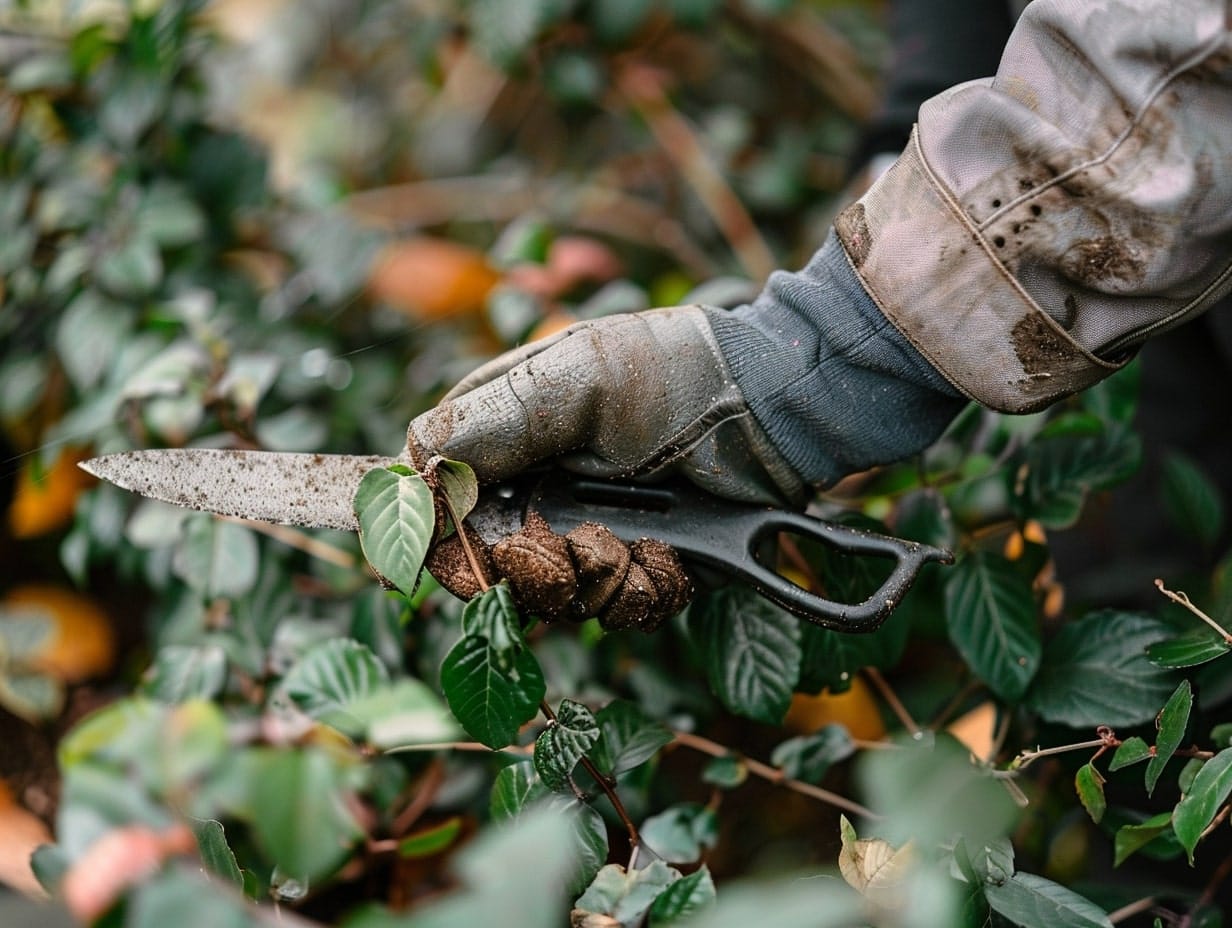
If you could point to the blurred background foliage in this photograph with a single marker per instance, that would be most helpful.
(291, 225)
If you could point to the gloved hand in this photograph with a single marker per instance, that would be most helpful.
(644, 394)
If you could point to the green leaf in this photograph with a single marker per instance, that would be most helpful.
(1034, 902)
(681, 833)
(36, 697)
(218, 559)
(1133, 750)
(49, 863)
(1208, 792)
(684, 898)
(459, 484)
(726, 772)
(494, 616)
(404, 714)
(990, 613)
(183, 672)
(1095, 672)
(1090, 786)
(89, 335)
(1194, 647)
(1172, 720)
(490, 701)
(176, 897)
(428, 842)
(563, 743)
(516, 787)
(626, 896)
(809, 757)
(330, 677)
(589, 839)
(396, 519)
(215, 852)
(630, 737)
(297, 806)
(1192, 499)
(751, 649)
(1132, 838)
(1055, 475)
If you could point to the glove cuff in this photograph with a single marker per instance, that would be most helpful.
(832, 383)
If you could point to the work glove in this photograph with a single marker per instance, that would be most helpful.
(646, 394)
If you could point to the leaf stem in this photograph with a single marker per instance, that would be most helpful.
(1132, 909)
(774, 775)
(1028, 757)
(1182, 599)
(887, 693)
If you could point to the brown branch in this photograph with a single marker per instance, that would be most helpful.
(774, 775)
(1134, 908)
(873, 675)
(642, 87)
(294, 538)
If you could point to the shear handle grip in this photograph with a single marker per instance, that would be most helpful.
(909, 557)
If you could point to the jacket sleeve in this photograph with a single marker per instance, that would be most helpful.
(1042, 224)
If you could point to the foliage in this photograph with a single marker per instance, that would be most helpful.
(281, 730)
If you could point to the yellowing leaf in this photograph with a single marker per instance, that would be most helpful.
(875, 868)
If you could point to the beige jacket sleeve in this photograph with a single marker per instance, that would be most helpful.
(1042, 224)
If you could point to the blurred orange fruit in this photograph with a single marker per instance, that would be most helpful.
(432, 279)
(555, 321)
(82, 646)
(856, 710)
(45, 497)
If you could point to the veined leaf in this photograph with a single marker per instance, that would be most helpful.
(990, 611)
(809, 757)
(1034, 902)
(752, 651)
(1209, 791)
(1090, 787)
(630, 737)
(1194, 647)
(1171, 721)
(563, 743)
(1133, 750)
(396, 519)
(333, 675)
(491, 701)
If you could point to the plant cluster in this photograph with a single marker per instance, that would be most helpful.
(260, 732)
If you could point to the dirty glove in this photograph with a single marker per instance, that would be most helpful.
(643, 394)
(805, 385)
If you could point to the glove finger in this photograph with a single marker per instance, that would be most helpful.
(542, 407)
(501, 365)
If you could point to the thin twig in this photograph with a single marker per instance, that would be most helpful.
(774, 775)
(1182, 599)
(302, 541)
(1134, 908)
(1029, 757)
(424, 796)
(887, 693)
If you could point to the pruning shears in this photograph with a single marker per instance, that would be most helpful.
(709, 533)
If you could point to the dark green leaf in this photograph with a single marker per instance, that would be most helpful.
(183, 672)
(1194, 647)
(494, 616)
(1172, 720)
(491, 702)
(809, 757)
(1034, 902)
(752, 651)
(396, 519)
(1192, 499)
(563, 743)
(1133, 750)
(1055, 476)
(1095, 672)
(685, 897)
(1090, 786)
(330, 677)
(1208, 792)
(681, 833)
(990, 612)
(589, 840)
(215, 852)
(630, 737)
(515, 787)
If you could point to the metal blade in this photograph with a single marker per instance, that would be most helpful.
(313, 490)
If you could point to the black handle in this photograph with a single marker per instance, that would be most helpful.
(711, 532)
